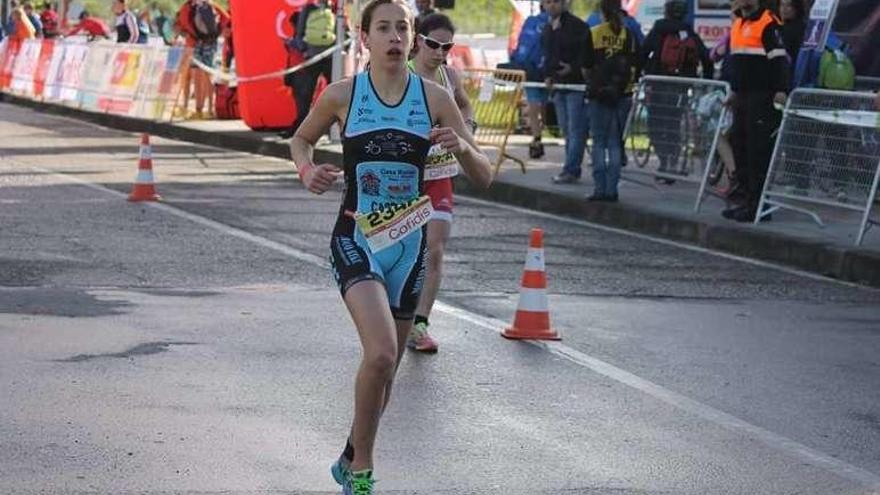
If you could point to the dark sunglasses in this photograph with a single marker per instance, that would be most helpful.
(434, 44)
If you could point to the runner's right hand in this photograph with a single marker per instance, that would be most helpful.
(319, 178)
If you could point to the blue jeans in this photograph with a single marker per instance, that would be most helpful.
(571, 112)
(608, 123)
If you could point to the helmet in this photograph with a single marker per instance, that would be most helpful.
(676, 9)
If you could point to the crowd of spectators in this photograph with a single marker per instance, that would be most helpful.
(762, 59)
(198, 24)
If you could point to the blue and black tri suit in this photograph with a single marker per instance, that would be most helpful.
(384, 151)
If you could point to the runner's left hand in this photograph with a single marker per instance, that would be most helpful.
(447, 139)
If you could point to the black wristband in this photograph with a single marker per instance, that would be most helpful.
(472, 124)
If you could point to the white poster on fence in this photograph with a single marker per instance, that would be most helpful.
(52, 90)
(72, 67)
(98, 69)
(819, 25)
(26, 66)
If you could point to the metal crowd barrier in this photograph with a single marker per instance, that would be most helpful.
(673, 129)
(827, 153)
(495, 96)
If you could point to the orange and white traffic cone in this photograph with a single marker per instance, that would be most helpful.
(143, 189)
(532, 320)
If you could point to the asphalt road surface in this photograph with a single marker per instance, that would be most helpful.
(200, 346)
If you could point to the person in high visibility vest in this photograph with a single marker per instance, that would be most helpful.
(760, 80)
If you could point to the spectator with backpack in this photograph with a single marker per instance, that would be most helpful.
(200, 21)
(616, 64)
(127, 30)
(672, 48)
(314, 33)
(529, 56)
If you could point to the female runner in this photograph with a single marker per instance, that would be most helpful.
(433, 42)
(387, 115)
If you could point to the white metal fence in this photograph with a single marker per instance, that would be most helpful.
(827, 153)
(673, 129)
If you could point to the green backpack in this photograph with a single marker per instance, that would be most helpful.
(836, 71)
(320, 27)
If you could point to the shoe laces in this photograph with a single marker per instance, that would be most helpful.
(420, 329)
(362, 484)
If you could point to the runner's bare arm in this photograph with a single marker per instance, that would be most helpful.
(454, 137)
(461, 99)
(331, 107)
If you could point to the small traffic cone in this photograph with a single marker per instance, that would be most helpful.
(143, 189)
(532, 320)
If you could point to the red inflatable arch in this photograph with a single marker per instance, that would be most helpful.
(260, 28)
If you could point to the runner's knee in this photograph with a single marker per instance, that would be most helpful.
(381, 362)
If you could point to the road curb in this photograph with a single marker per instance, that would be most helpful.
(848, 264)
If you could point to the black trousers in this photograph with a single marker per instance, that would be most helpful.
(755, 122)
(303, 83)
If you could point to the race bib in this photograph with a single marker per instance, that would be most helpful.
(440, 164)
(386, 227)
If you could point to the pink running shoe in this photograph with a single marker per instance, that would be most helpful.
(419, 339)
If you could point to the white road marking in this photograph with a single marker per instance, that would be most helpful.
(709, 413)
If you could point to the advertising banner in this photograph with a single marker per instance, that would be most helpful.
(819, 24)
(96, 74)
(46, 52)
(25, 67)
(712, 29)
(52, 91)
(7, 59)
(70, 72)
(125, 73)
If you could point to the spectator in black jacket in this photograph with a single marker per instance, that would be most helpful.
(761, 78)
(568, 49)
(793, 14)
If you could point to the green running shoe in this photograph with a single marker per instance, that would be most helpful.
(359, 483)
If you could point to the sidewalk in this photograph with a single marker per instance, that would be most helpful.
(665, 211)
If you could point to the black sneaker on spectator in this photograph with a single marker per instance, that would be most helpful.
(536, 149)
(605, 198)
(735, 212)
(565, 178)
(744, 214)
